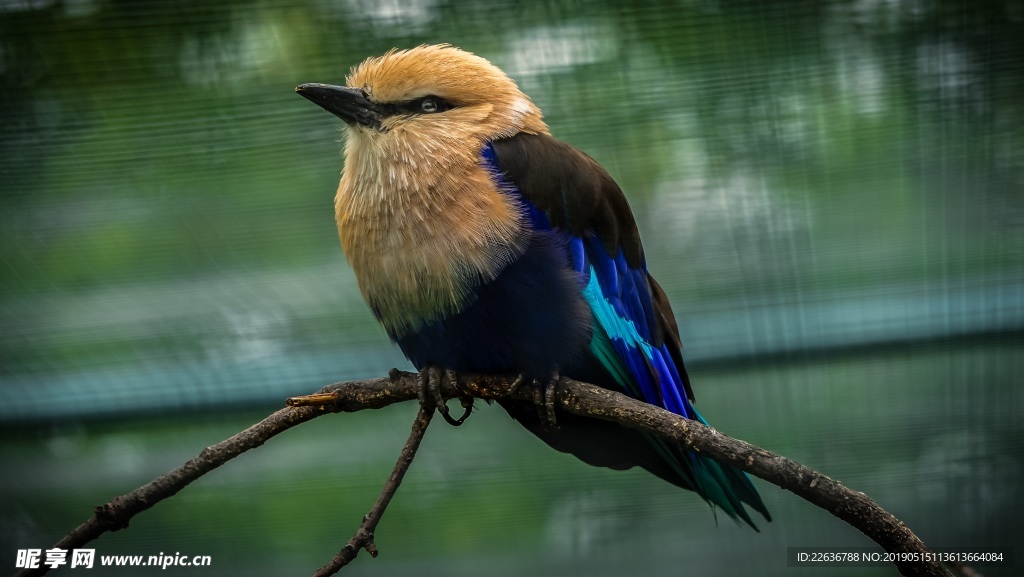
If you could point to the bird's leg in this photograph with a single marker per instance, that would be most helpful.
(429, 393)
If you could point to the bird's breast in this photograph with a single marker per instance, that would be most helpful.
(422, 243)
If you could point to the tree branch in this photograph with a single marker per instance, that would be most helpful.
(115, 515)
(363, 539)
(583, 399)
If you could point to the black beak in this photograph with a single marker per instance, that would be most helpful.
(348, 104)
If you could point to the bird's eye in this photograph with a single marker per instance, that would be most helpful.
(429, 105)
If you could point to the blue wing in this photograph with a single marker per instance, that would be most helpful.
(620, 299)
(635, 340)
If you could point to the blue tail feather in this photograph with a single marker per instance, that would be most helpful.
(721, 486)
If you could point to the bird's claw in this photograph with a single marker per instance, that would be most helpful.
(544, 398)
(516, 384)
(429, 393)
(550, 391)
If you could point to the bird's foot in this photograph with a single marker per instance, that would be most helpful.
(543, 398)
(430, 380)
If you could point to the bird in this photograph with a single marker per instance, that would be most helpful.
(481, 243)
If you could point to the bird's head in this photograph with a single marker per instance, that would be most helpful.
(432, 95)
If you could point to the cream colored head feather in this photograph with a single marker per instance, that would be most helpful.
(488, 103)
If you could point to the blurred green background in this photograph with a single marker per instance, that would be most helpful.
(831, 193)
